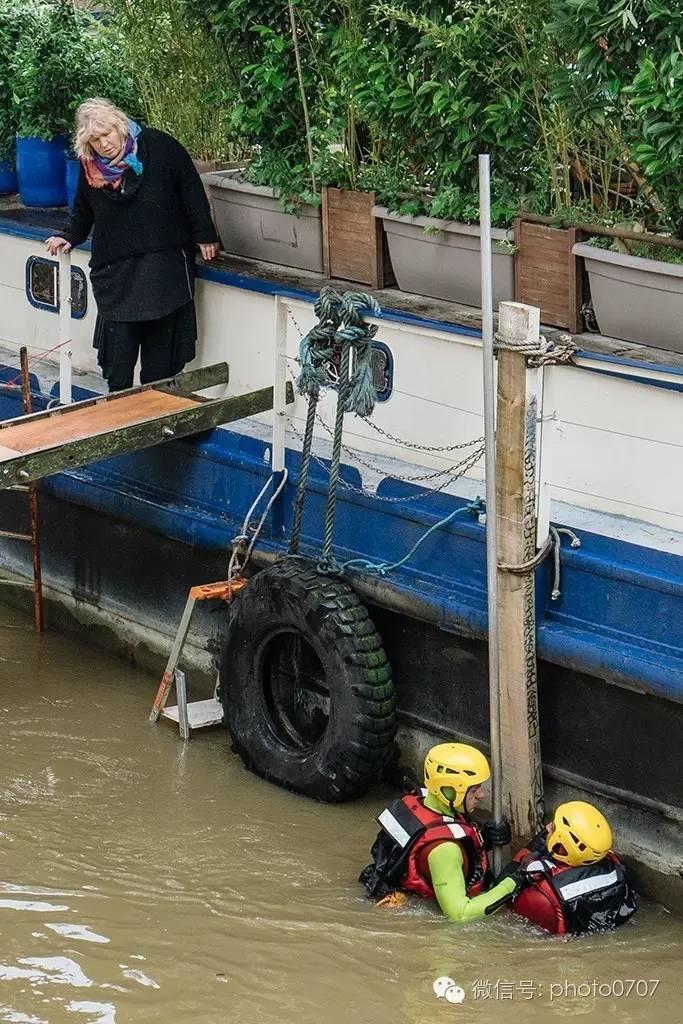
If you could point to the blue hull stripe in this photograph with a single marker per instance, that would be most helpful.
(620, 616)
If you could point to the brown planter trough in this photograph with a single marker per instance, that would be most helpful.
(547, 274)
(354, 243)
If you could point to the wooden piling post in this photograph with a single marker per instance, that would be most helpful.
(517, 392)
(27, 402)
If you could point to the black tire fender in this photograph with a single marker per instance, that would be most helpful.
(286, 604)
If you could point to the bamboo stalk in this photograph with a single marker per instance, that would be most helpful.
(304, 102)
(607, 232)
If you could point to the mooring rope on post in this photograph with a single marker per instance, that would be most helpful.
(330, 512)
(341, 329)
(306, 450)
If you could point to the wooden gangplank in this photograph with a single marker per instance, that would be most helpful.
(75, 435)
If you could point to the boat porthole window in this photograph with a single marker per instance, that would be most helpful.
(382, 370)
(79, 293)
(42, 286)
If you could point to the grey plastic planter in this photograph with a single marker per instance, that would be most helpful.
(440, 258)
(635, 299)
(251, 223)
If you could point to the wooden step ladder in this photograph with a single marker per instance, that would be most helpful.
(201, 713)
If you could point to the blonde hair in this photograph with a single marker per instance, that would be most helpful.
(97, 116)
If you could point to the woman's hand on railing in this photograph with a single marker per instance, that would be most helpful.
(56, 244)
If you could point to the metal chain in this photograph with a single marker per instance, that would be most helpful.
(294, 321)
(420, 447)
(462, 468)
(387, 434)
(355, 455)
(432, 475)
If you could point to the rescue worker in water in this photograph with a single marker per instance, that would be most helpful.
(577, 884)
(567, 880)
(428, 844)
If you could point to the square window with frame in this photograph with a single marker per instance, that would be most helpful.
(42, 286)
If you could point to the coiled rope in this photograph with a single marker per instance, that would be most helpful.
(340, 334)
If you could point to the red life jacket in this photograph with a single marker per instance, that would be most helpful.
(563, 900)
(413, 831)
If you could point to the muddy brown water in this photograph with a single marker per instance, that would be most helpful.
(143, 880)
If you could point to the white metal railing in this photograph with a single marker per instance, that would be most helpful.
(65, 336)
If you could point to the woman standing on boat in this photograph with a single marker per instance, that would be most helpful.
(140, 191)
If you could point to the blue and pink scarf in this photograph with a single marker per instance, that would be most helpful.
(100, 172)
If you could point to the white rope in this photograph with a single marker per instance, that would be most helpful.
(543, 352)
(242, 537)
(532, 348)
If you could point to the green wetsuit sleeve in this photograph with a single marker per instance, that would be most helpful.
(448, 881)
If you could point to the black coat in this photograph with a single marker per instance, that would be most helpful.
(164, 208)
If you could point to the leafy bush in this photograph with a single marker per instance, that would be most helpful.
(579, 102)
(11, 24)
(63, 55)
(262, 94)
(627, 57)
(182, 73)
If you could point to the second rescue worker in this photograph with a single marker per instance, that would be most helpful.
(428, 845)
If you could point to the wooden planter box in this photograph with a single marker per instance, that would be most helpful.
(354, 244)
(547, 274)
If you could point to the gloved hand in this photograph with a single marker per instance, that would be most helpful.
(517, 872)
(539, 843)
(496, 833)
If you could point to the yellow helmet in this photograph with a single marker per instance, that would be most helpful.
(450, 770)
(581, 834)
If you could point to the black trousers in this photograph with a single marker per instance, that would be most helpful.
(164, 346)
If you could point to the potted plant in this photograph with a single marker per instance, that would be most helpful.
(264, 211)
(447, 83)
(270, 210)
(619, 83)
(10, 31)
(39, 66)
(636, 289)
(435, 250)
(62, 56)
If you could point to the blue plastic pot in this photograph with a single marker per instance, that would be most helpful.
(8, 177)
(73, 166)
(41, 170)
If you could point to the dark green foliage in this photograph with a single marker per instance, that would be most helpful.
(10, 32)
(62, 56)
(579, 102)
(263, 99)
(182, 73)
(626, 57)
